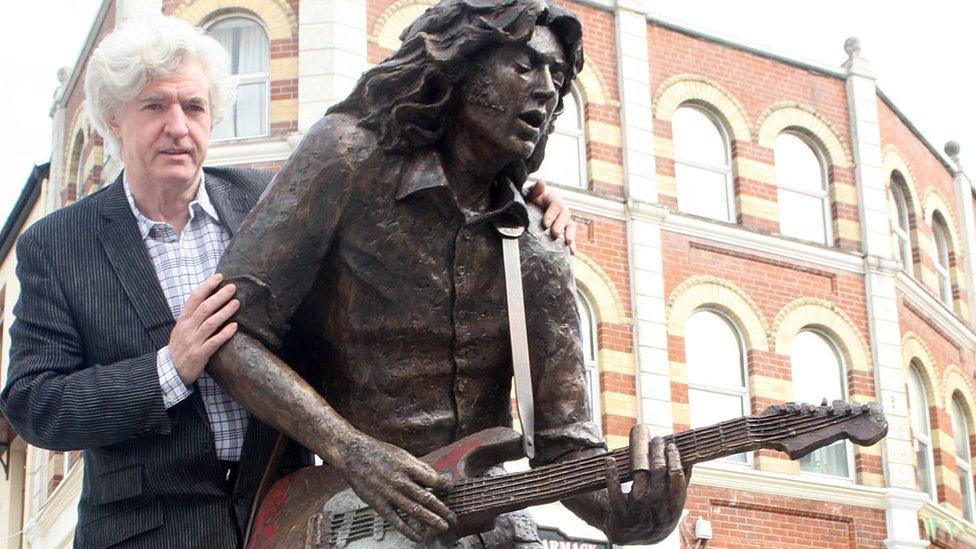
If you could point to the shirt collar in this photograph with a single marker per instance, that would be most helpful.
(426, 171)
(202, 199)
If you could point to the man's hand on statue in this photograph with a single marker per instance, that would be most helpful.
(202, 327)
(557, 216)
(652, 508)
(388, 478)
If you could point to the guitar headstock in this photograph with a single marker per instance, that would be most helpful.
(799, 429)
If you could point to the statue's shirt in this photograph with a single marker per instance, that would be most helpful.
(360, 269)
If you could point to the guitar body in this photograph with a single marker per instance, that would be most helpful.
(315, 508)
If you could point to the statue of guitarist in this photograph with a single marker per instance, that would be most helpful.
(373, 325)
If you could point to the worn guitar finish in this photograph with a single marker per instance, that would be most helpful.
(314, 508)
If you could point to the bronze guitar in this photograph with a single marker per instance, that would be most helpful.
(315, 508)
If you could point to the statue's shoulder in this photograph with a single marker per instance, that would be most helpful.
(340, 138)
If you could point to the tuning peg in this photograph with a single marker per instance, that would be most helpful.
(824, 403)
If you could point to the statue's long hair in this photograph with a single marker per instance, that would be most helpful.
(405, 99)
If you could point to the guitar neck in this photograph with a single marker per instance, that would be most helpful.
(550, 483)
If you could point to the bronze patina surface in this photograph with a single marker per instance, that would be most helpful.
(373, 322)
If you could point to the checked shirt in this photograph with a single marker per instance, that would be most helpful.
(182, 262)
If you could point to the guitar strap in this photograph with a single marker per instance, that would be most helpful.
(519, 335)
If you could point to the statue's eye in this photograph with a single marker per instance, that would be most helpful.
(522, 66)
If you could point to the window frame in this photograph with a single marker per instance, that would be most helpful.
(744, 397)
(845, 390)
(903, 235)
(579, 135)
(924, 439)
(828, 221)
(243, 79)
(591, 367)
(940, 236)
(725, 170)
(964, 464)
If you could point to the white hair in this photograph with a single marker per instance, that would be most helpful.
(145, 47)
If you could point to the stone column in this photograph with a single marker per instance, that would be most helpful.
(125, 8)
(964, 205)
(644, 222)
(880, 269)
(331, 54)
(57, 113)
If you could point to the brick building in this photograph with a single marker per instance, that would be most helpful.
(754, 230)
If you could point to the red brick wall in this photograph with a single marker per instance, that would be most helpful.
(748, 520)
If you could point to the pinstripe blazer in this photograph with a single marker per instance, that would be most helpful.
(82, 375)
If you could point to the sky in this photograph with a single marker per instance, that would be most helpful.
(923, 53)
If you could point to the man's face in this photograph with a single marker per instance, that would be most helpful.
(509, 98)
(165, 130)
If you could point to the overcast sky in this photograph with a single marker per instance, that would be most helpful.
(924, 54)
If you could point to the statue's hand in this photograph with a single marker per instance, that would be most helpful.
(653, 507)
(389, 479)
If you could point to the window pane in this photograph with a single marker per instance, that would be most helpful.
(802, 216)
(922, 470)
(918, 404)
(697, 139)
(702, 192)
(797, 166)
(818, 374)
(247, 46)
(707, 408)
(713, 353)
(251, 109)
(830, 460)
(960, 431)
(562, 162)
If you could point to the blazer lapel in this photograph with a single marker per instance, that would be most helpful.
(230, 202)
(119, 235)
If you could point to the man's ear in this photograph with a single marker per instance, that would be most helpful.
(114, 128)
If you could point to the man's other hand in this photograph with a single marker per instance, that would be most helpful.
(202, 327)
(557, 216)
(389, 479)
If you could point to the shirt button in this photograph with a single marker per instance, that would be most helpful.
(461, 270)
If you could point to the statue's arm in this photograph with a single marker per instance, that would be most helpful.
(564, 425)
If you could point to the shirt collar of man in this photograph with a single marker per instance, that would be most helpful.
(425, 171)
(146, 225)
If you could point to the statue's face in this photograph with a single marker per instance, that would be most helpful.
(509, 98)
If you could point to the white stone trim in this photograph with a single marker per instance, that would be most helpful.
(248, 152)
(901, 518)
(741, 237)
(770, 483)
(587, 202)
(936, 311)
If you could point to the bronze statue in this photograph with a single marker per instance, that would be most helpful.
(373, 318)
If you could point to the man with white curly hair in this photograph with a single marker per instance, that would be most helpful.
(118, 314)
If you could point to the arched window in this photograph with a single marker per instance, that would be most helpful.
(899, 222)
(921, 435)
(565, 161)
(702, 171)
(591, 369)
(941, 259)
(818, 373)
(964, 465)
(715, 361)
(804, 210)
(246, 43)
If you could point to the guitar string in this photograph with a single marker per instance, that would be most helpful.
(599, 468)
(704, 439)
(364, 524)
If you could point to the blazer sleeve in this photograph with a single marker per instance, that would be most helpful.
(51, 398)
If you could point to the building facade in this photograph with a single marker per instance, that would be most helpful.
(754, 230)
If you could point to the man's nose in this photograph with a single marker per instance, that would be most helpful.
(176, 125)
